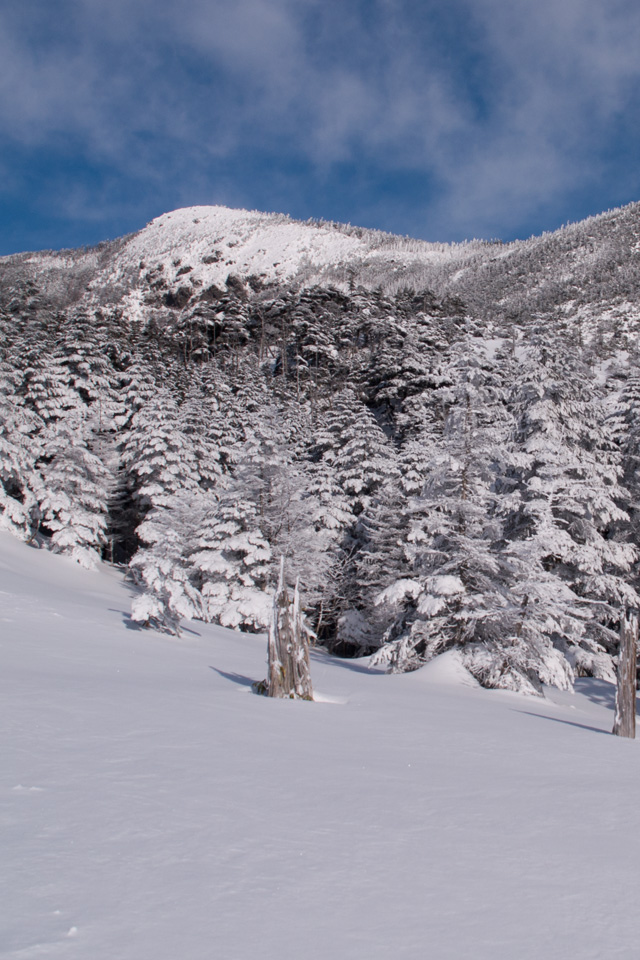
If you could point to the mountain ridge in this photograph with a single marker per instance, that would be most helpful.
(213, 243)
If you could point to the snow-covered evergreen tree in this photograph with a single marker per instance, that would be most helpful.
(19, 450)
(358, 460)
(349, 441)
(624, 423)
(231, 562)
(73, 490)
(163, 568)
(163, 476)
(566, 508)
(157, 455)
(458, 588)
(204, 426)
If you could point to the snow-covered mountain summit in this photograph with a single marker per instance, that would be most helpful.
(212, 242)
(200, 246)
(596, 261)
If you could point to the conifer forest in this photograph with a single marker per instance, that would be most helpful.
(442, 441)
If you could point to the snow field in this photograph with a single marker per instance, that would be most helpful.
(154, 808)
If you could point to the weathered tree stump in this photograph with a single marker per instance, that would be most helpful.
(289, 670)
(624, 724)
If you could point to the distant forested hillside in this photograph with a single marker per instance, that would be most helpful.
(442, 442)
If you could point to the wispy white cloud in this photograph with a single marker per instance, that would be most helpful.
(503, 106)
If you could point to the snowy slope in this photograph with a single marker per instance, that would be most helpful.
(203, 245)
(584, 268)
(196, 247)
(580, 272)
(154, 808)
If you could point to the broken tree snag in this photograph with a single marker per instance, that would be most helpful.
(624, 724)
(280, 642)
(301, 665)
(289, 673)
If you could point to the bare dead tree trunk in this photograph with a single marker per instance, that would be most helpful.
(289, 671)
(624, 724)
(301, 665)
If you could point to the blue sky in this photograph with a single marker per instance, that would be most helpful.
(442, 119)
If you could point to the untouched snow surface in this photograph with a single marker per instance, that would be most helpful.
(155, 809)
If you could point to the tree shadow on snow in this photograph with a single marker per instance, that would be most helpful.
(131, 624)
(568, 723)
(598, 691)
(126, 619)
(354, 665)
(234, 677)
